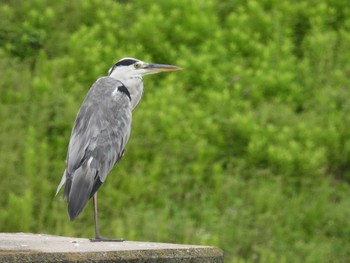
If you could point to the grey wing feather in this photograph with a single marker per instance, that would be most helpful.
(100, 133)
(83, 181)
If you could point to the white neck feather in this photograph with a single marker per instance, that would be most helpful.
(135, 88)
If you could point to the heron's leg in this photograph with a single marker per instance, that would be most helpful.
(98, 237)
(97, 229)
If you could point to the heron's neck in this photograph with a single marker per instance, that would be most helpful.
(135, 88)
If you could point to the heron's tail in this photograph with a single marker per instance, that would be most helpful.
(79, 189)
(63, 181)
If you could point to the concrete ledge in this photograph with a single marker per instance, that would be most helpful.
(23, 247)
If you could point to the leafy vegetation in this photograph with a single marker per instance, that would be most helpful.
(247, 149)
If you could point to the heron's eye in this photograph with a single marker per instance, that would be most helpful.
(137, 65)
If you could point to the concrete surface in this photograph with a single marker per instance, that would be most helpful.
(25, 247)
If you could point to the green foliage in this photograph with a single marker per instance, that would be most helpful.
(247, 148)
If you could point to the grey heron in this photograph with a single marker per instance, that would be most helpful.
(100, 132)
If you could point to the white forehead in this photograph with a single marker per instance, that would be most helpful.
(124, 62)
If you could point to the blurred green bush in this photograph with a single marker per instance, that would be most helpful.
(247, 149)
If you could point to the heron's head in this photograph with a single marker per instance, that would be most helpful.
(131, 67)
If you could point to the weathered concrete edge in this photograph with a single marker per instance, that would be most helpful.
(193, 255)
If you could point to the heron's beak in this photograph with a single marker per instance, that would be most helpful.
(156, 68)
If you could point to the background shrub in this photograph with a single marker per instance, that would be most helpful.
(247, 149)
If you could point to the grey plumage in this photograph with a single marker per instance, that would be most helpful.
(101, 131)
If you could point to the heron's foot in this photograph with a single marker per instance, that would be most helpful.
(104, 239)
